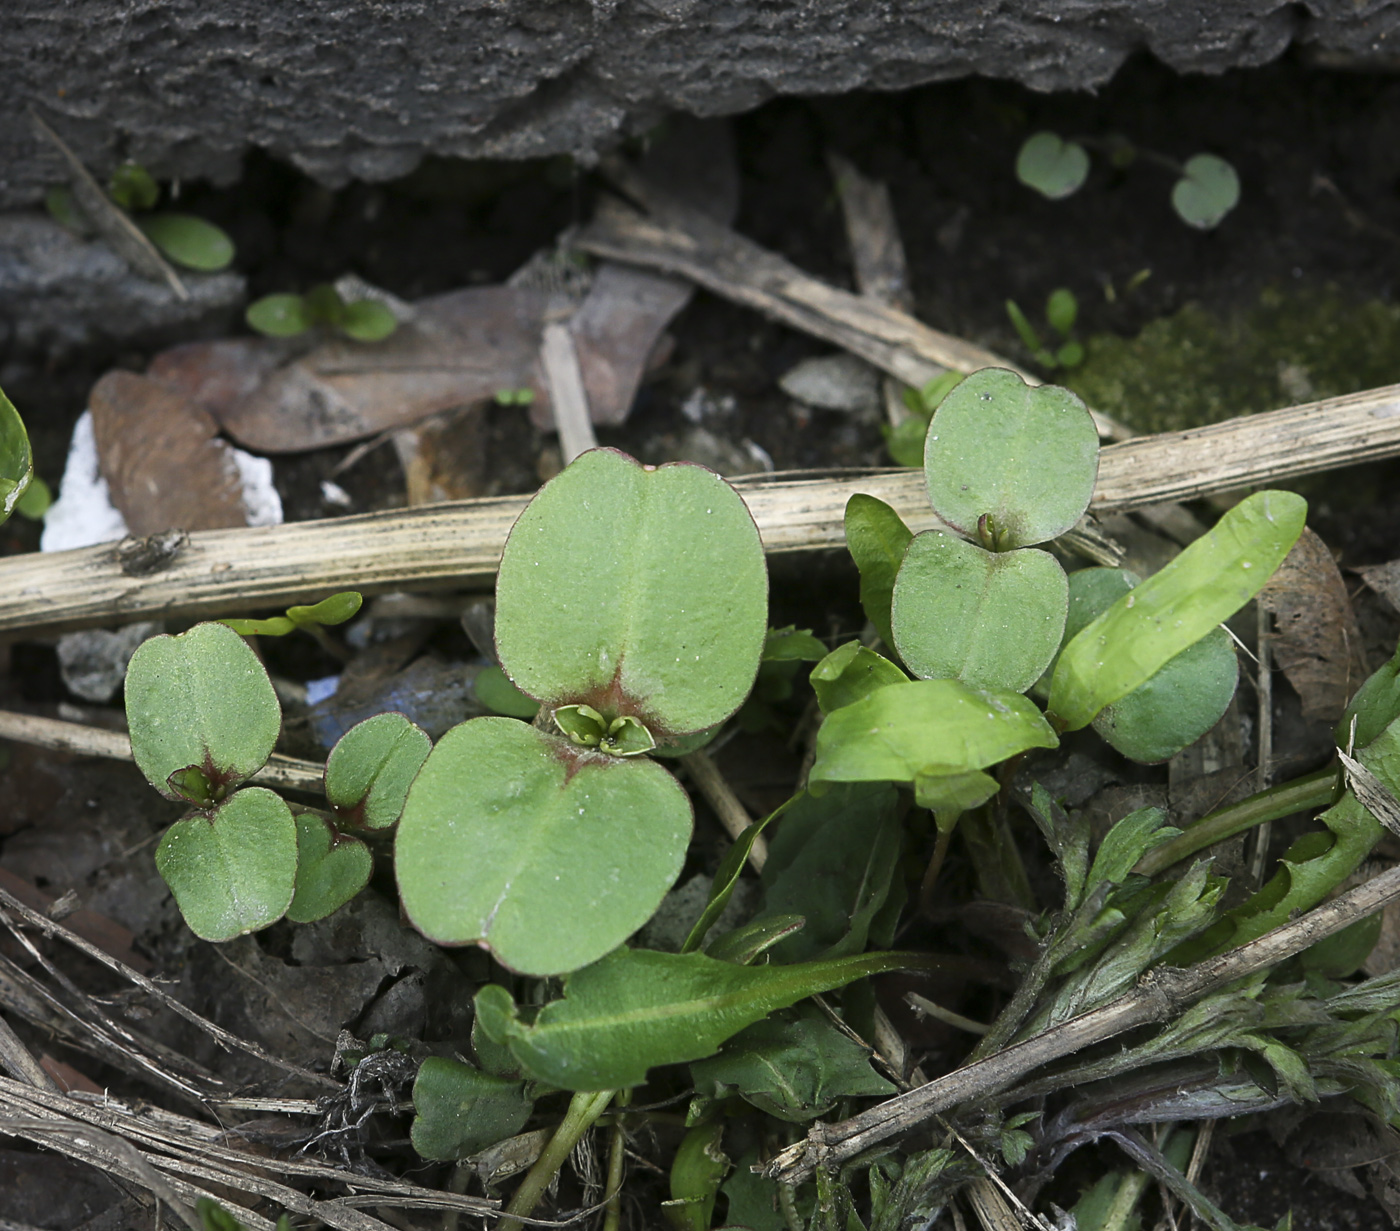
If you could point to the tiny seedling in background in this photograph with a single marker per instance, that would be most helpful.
(1061, 313)
(905, 440)
(1206, 190)
(186, 239)
(515, 397)
(286, 315)
(333, 610)
(16, 460)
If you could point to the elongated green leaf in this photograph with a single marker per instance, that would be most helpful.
(793, 1065)
(495, 691)
(16, 460)
(746, 944)
(459, 1110)
(634, 591)
(639, 1008)
(990, 619)
(370, 768)
(727, 877)
(1008, 463)
(1375, 706)
(331, 869)
(926, 727)
(189, 241)
(335, 609)
(367, 320)
(697, 1171)
(792, 644)
(547, 854)
(876, 537)
(851, 672)
(1207, 583)
(272, 626)
(1127, 842)
(200, 701)
(232, 870)
(279, 316)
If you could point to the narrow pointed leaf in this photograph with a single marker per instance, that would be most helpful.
(335, 609)
(638, 1008)
(189, 241)
(851, 672)
(16, 460)
(1206, 584)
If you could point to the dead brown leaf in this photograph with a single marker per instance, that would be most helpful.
(1384, 579)
(162, 458)
(1316, 639)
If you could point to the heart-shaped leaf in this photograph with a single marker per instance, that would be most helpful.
(1178, 705)
(1145, 629)
(849, 673)
(1054, 167)
(16, 460)
(1010, 464)
(547, 854)
(990, 619)
(926, 727)
(634, 591)
(369, 770)
(877, 538)
(459, 1110)
(189, 241)
(200, 701)
(1207, 191)
(638, 1008)
(331, 869)
(232, 870)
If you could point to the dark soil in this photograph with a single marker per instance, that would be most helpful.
(974, 236)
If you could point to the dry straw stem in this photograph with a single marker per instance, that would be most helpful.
(458, 545)
(286, 773)
(1161, 994)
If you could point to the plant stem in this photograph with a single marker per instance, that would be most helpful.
(935, 866)
(1319, 790)
(612, 1220)
(585, 1107)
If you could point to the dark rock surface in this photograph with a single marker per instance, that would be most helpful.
(364, 90)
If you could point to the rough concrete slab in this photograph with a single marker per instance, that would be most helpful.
(364, 89)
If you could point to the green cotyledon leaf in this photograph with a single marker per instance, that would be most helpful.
(638, 1008)
(636, 591)
(1173, 609)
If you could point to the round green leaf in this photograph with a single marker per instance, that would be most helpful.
(369, 770)
(232, 870)
(991, 619)
(1178, 705)
(925, 728)
(132, 187)
(547, 855)
(36, 500)
(279, 316)
(459, 1110)
(367, 320)
(1055, 168)
(495, 691)
(1023, 457)
(330, 869)
(16, 460)
(1062, 310)
(201, 700)
(189, 241)
(635, 591)
(1207, 191)
(1145, 629)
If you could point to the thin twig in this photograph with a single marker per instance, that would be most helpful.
(567, 396)
(1161, 994)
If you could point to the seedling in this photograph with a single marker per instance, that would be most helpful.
(1061, 312)
(16, 460)
(189, 241)
(515, 397)
(288, 315)
(313, 619)
(1206, 190)
(905, 441)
